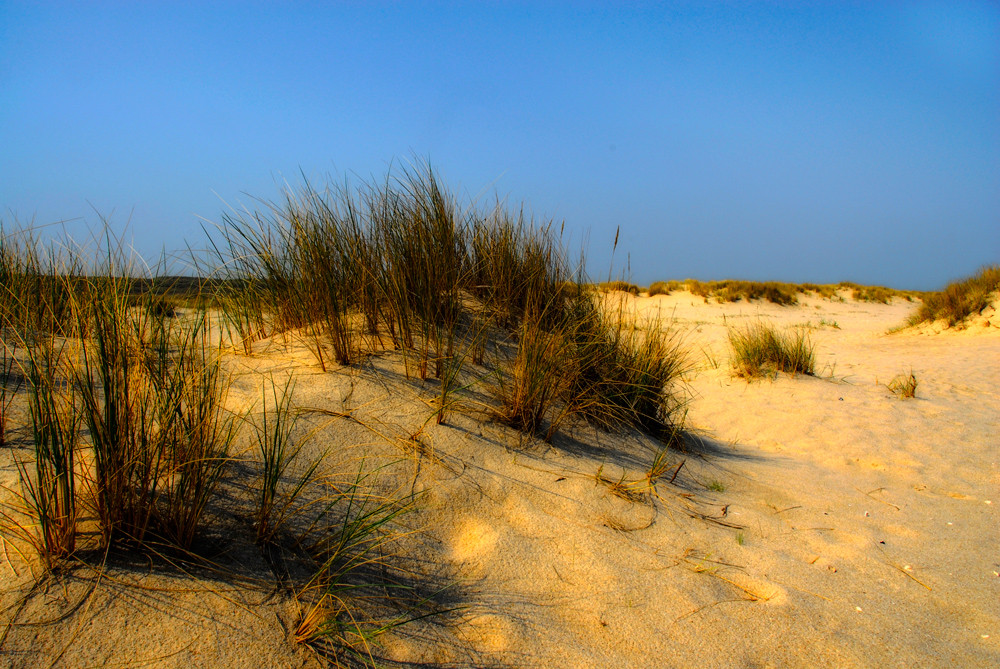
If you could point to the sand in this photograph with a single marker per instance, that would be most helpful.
(814, 521)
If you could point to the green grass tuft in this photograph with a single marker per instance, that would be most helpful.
(759, 349)
(597, 363)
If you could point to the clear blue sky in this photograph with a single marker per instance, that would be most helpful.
(801, 141)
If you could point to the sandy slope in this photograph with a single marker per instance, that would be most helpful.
(816, 521)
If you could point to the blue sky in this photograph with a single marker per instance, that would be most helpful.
(800, 141)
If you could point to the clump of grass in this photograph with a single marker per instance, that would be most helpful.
(663, 287)
(771, 291)
(903, 385)
(595, 363)
(697, 288)
(347, 553)
(199, 441)
(9, 371)
(148, 389)
(405, 257)
(624, 371)
(630, 491)
(620, 286)
(733, 290)
(516, 267)
(960, 299)
(385, 262)
(781, 293)
(876, 294)
(825, 291)
(759, 349)
(530, 386)
(51, 493)
(823, 323)
(39, 285)
(161, 307)
(151, 396)
(716, 486)
(278, 500)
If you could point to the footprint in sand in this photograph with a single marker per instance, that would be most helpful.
(491, 633)
(473, 540)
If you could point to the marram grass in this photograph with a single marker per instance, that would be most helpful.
(759, 349)
(128, 409)
(960, 299)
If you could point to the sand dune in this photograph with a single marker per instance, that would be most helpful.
(813, 521)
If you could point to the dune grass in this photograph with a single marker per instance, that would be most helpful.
(129, 431)
(531, 386)
(51, 492)
(10, 382)
(770, 291)
(411, 263)
(876, 294)
(776, 292)
(597, 364)
(730, 290)
(401, 255)
(903, 386)
(663, 287)
(148, 389)
(279, 492)
(619, 286)
(333, 621)
(626, 370)
(960, 299)
(127, 387)
(825, 291)
(758, 349)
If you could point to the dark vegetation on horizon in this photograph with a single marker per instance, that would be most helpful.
(731, 290)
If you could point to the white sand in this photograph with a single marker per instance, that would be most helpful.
(816, 521)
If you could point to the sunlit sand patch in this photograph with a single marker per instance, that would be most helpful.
(491, 633)
(474, 540)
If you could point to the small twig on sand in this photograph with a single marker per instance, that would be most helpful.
(904, 570)
(706, 606)
(869, 494)
(797, 506)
